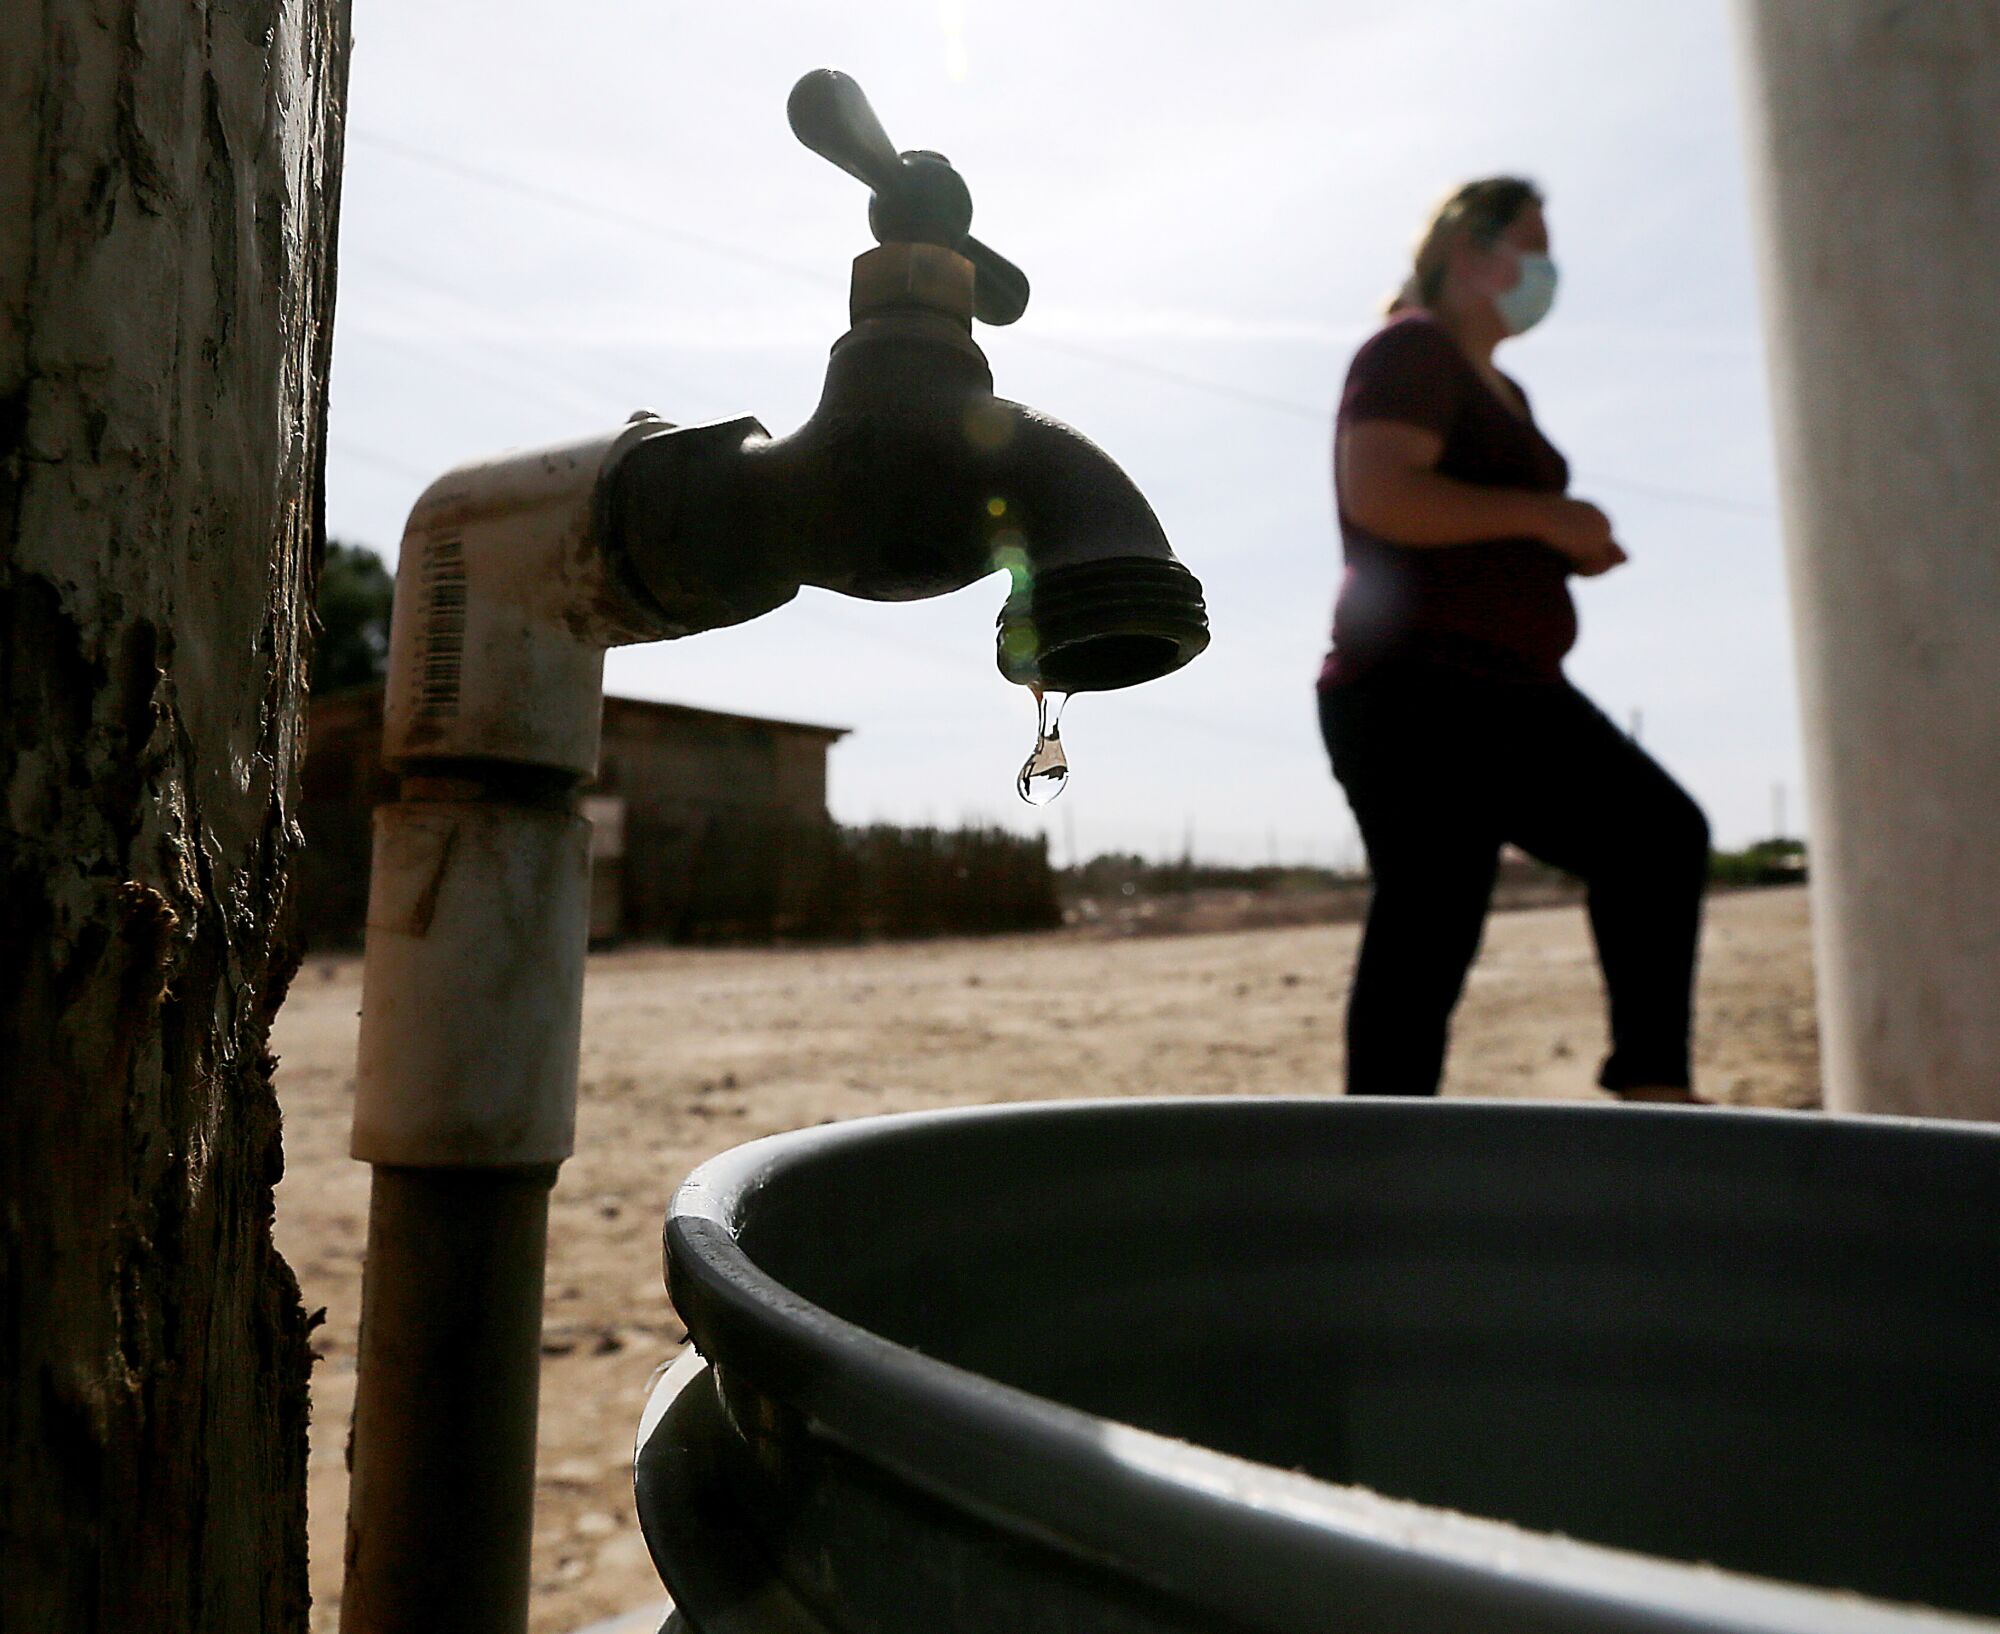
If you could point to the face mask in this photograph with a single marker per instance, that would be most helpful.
(1528, 302)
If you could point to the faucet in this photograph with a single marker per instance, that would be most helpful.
(911, 479)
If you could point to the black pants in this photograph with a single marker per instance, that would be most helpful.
(1441, 769)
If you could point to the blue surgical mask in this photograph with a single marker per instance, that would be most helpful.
(1528, 302)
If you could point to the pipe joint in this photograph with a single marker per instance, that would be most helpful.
(472, 992)
(505, 604)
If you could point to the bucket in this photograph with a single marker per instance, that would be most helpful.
(1377, 1367)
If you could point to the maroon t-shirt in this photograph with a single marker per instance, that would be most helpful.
(1493, 607)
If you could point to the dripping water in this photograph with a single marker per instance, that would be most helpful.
(1045, 773)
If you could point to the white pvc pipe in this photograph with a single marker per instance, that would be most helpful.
(472, 992)
(1875, 134)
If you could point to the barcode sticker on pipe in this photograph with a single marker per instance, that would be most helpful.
(441, 635)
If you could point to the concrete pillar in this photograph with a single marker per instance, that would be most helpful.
(1875, 135)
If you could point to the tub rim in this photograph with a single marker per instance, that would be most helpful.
(1209, 1529)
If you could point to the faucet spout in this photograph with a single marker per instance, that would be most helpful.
(1096, 599)
(910, 480)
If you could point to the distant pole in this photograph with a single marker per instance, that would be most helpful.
(1777, 811)
(1638, 720)
(1069, 838)
(1872, 125)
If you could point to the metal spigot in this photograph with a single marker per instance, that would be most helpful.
(911, 479)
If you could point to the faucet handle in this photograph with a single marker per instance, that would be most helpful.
(999, 288)
(831, 116)
(918, 197)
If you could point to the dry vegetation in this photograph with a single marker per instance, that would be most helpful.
(687, 1052)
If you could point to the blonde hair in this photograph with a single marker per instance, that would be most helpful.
(1482, 210)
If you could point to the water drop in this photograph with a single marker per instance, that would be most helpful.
(1045, 773)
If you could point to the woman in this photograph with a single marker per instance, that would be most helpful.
(1443, 703)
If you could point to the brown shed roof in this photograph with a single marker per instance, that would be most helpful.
(366, 700)
(652, 709)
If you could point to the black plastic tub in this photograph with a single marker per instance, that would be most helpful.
(1374, 1367)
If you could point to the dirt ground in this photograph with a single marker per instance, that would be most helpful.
(689, 1052)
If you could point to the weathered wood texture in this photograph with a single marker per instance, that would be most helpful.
(168, 186)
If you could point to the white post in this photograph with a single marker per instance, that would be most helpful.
(1875, 130)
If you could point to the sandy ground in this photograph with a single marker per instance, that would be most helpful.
(687, 1053)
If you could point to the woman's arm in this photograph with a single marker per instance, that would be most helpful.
(1390, 484)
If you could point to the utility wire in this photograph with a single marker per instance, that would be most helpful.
(1215, 388)
(792, 269)
(585, 400)
(737, 252)
(590, 208)
(1682, 496)
(385, 462)
(594, 385)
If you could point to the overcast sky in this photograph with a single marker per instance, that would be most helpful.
(555, 215)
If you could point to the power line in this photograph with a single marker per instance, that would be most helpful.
(791, 269)
(586, 384)
(1683, 496)
(585, 400)
(1215, 388)
(385, 462)
(591, 209)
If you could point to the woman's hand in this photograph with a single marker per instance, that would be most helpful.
(1581, 532)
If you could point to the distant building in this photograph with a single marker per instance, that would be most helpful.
(703, 823)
